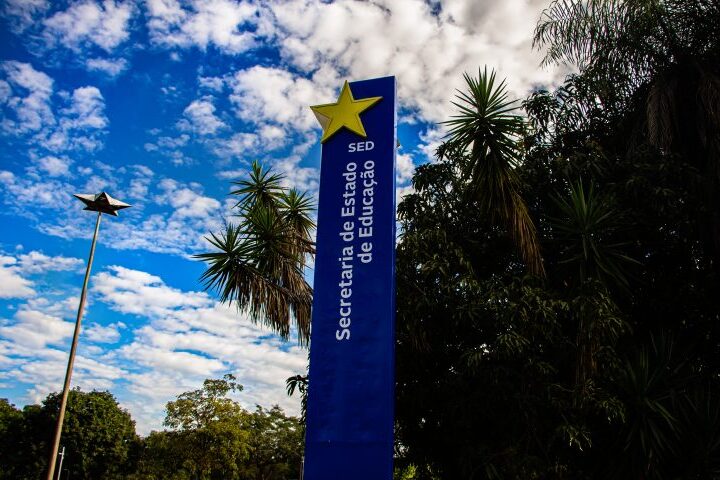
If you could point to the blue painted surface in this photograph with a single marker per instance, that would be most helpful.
(351, 392)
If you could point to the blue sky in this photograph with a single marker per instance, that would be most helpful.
(162, 103)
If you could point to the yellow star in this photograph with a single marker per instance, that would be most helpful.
(344, 113)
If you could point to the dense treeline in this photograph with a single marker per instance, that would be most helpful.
(209, 436)
(558, 307)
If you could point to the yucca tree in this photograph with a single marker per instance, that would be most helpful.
(651, 383)
(584, 229)
(659, 61)
(488, 130)
(258, 263)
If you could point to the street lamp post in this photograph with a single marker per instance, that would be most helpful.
(62, 457)
(100, 203)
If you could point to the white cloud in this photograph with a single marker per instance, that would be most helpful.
(200, 115)
(401, 192)
(191, 337)
(239, 145)
(87, 23)
(97, 333)
(214, 84)
(98, 183)
(232, 174)
(87, 109)
(29, 111)
(295, 176)
(184, 363)
(140, 293)
(186, 201)
(37, 262)
(34, 329)
(140, 182)
(404, 167)
(5, 91)
(184, 217)
(157, 233)
(14, 271)
(109, 66)
(168, 216)
(183, 337)
(22, 192)
(428, 51)
(245, 146)
(430, 140)
(272, 135)
(14, 285)
(55, 166)
(171, 146)
(24, 12)
(269, 94)
(64, 308)
(43, 368)
(31, 103)
(428, 47)
(202, 23)
(168, 145)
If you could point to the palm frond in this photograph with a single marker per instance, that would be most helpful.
(262, 187)
(228, 267)
(258, 265)
(296, 209)
(488, 127)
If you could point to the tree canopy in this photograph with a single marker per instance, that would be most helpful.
(210, 436)
(607, 367)
(99, 437)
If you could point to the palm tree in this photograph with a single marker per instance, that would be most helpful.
(488, 130)
(658, 60)
(258, 264)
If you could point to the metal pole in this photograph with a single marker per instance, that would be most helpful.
(62, 457)
(71, 360)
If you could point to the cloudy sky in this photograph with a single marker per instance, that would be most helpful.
(163, 103)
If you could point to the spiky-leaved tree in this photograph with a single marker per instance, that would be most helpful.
(487, 130)
(259, 262)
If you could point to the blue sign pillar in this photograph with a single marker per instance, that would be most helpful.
(351, 390)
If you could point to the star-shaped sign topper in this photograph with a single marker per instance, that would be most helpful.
(102, 202)
(343, 113)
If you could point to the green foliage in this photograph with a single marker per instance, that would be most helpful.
(213, 437)
(11, 437)
(276, 445)
(656, 63)
(98, 436)
(10, 421)
(201, 408)
(299, 383)
(258, 263)
(584, 232)
(608, 366)
(489, 129)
